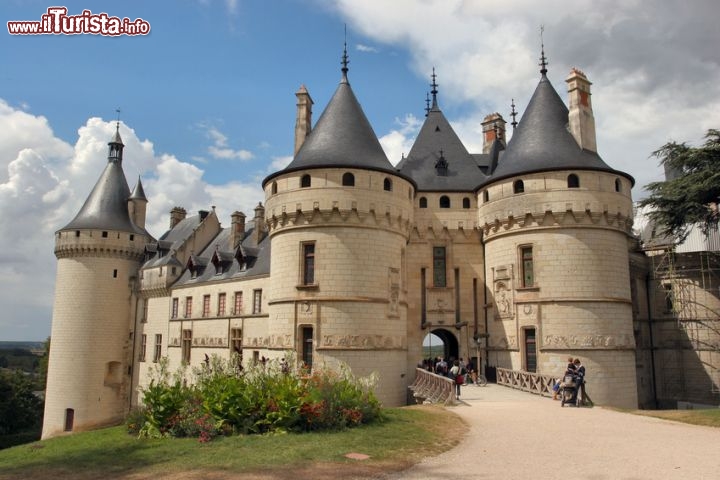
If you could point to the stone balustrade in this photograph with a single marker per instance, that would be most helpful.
(429, 387)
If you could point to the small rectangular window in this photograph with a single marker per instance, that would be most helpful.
(188, 307)
(143, 347)
(174, 312)
(526, 254)
(257, 301)
(206, 306)
(439, 266)
(115, 273)
(238, 303)
(236, 340)
(308, 267)
(158, 348)
(221, 304)
(186, 345)
(104, 234)
(144, 317)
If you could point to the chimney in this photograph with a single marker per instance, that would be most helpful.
(259, 223)
(303, 122)
(177, 215)
(493, 126)
(237, 229)
(580, 116)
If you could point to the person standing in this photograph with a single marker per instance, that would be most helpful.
(579, 380)
(457, 376)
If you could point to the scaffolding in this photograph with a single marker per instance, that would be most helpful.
(689, 283)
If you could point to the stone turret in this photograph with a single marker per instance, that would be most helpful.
(137, 205)
(259, 230)
(99, 254)
(303, 122)
(580, 116)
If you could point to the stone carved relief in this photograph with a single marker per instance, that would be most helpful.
(206, 341)
(589, 341)
(503, 300)
(393, 290)
(362, 341)
(306, 308)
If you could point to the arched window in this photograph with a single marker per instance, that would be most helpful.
(387, 185)
(486, 196)
(518, 186)
(618, 185)
(444, 201)
(573, 181)
(305, 181)
(466, 202)
(348, 179)
(274, 188)
(423, 202)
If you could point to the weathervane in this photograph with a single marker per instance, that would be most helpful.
(427, 103)
(543, 60)
(513, 114)
(434, 90)
(345, 60)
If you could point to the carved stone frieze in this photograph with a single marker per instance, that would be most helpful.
(589, 341)
(363, 342)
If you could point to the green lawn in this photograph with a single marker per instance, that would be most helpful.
(406, 436)
(709, 417)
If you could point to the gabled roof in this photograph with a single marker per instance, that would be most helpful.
(437, 137)
(543, 142)
(342, 137)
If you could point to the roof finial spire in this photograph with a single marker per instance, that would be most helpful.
(434, 90)
(427, 103)
(345, 60)
(513, 114)
(117, 124)
(543, 60)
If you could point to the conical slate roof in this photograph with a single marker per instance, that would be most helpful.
(438, 138)
(342, 137)
(543, 142)
(106, 208)
(138, 192)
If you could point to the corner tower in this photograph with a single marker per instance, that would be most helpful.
(338, 218)
(556, 225)
(99, 253)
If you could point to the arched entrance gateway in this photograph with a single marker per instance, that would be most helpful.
(451, 349)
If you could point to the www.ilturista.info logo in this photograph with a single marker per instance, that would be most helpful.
(57, 22)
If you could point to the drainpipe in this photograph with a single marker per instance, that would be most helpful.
(652, 343)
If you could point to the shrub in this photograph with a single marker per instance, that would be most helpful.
(268, 397)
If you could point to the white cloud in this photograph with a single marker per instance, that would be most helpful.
(278, 163)
(654, 70)
(220, 150)
(365, 48)
(397, 142)
(44, 182)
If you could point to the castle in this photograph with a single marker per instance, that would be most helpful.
(516, 257)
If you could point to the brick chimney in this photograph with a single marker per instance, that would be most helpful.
(259, 220)
(303, 122)
(580, 116)
(177, 215)
(493, 126)
(237, 229)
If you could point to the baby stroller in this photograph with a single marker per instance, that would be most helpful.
(568, 391)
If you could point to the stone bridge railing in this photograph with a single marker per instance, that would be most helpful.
(429, 387)
(526, 381)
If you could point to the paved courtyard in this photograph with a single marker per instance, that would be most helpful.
(517, 435)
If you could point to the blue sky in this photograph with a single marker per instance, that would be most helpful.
(208, 107)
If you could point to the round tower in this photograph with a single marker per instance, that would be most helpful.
(338, 218)
(99, 253)
(556, 225)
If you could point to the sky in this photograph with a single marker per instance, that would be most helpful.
(207, 107)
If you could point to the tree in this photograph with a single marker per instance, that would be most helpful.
(691, 197)
(20, 409)
(43, 365)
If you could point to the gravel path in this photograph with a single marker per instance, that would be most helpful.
(516, 435)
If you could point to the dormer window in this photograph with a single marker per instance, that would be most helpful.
(305, 181)
(518, 186)
(348, 179)
(441, 166)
